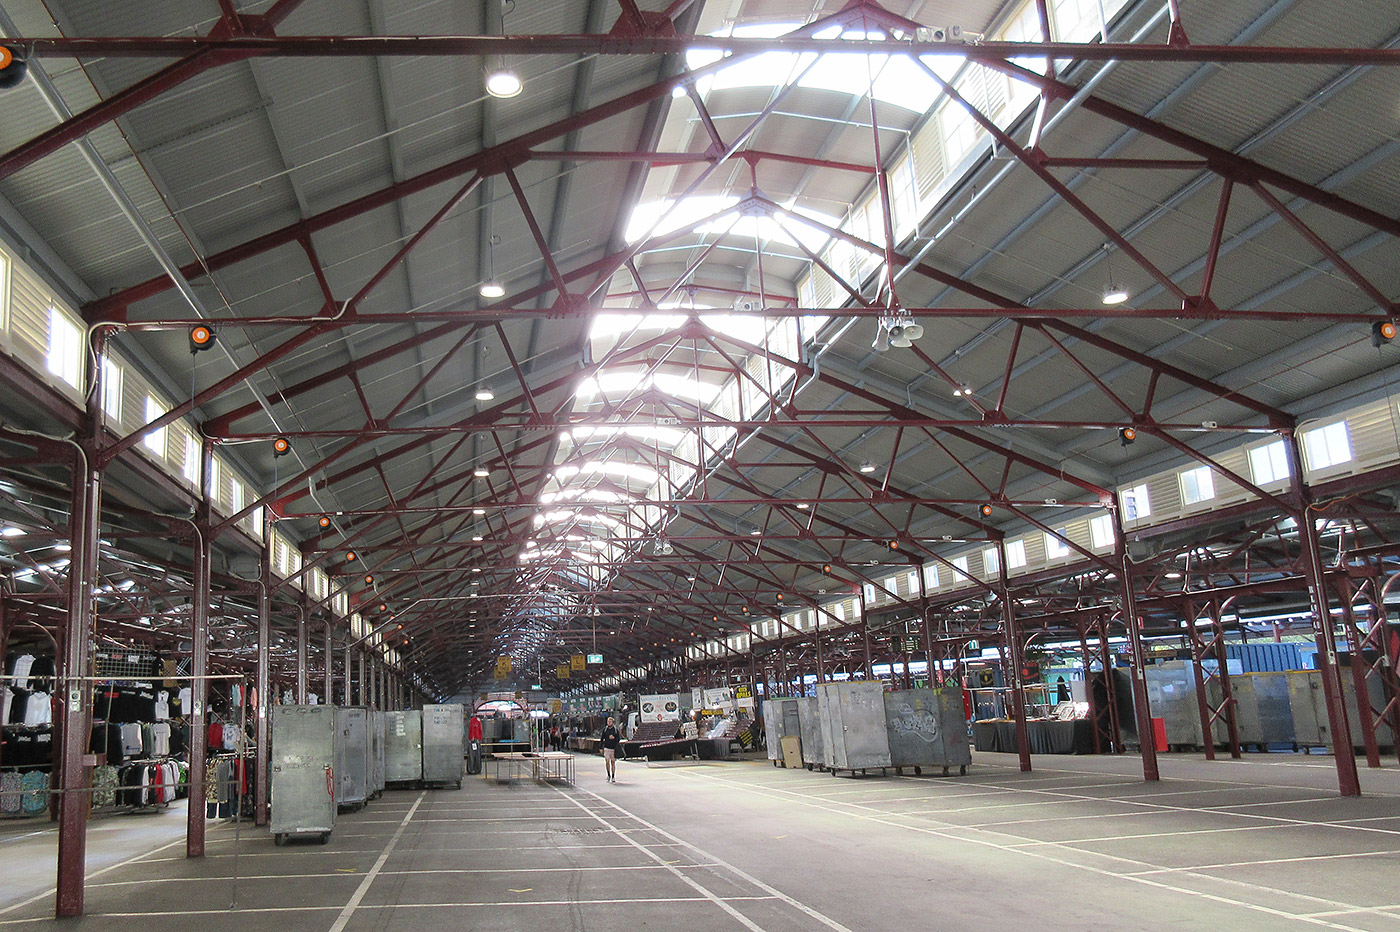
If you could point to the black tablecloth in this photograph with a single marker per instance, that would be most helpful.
(1046, 736)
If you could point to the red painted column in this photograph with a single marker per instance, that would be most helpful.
(199, 666)
(1198, 655)
(1012, 667)
(329, 658)
(73, 799)
(1365, 715)
(1132, 623)
(262, 754)
(301, 652)
(1348, 780)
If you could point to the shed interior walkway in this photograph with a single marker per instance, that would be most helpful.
(1259, 844)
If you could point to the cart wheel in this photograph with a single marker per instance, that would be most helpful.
(962, 770)
(918, 771)
(279, 839)
(811, 766)
(325, 838)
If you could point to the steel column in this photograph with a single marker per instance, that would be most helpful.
(301, 652)
(1365, 716)
(262, 752)
(329, 673)
(199, 661)
(74, 800)
(1012, 667)
(1132, 623)
(1193, 640)
(1348, 780)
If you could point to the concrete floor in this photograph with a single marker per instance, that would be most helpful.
(1080, 844)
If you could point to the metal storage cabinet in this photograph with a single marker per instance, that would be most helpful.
(780, 719)
(927, 728)
(375, 751)
(1309, 707)
(854, 736)
(1275, 713)
(302, 764)
(352, 757)
(810, 729)
(403, 746)
(1171, 694)
(443, 731)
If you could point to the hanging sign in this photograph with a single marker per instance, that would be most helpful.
(578, 662)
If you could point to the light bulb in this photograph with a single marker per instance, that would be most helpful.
(503, 82)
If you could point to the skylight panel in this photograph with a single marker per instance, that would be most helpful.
(668, 436)
(666, 215)
(613, 325)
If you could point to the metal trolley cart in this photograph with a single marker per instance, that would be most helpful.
(352, 777)
(928, 728)
(443, 727)
(780, 720)
(854, 735)
(303, 774)
(810, 725)
(403, 746)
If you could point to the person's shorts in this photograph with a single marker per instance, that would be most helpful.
(609, 753)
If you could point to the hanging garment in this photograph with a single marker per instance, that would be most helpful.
(232, 738)
(104, 785)
(112, 743)
(10, 789)
(34, 798)
(162, 705)
(19, 703)
(5, 698)
(236, 691)
(215, 737)
(38, 710)
(186, 702)
(20, 670)
(160, 739)
(131, 739)
(41, 674)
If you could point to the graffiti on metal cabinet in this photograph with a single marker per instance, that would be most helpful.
(915, 723)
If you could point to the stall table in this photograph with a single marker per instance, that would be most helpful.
(543, 767)
(1047, 736)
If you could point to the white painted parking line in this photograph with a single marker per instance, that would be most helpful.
(795, 904)
(359, 894)
(876, 816)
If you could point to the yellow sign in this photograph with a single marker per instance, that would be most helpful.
(502, 664)
(578, 662)
(500, 674)
(562, 671)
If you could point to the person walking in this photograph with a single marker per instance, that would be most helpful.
(611, 739)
